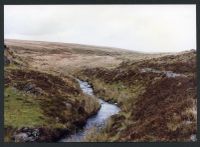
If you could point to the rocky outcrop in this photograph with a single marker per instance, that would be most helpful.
(10, 57)
(7, 55)
(61, 104)
(27, 134)
(32, 88)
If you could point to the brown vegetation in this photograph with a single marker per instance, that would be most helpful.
(54, 103)
(154, 106)
(161, 109)
(68, 57)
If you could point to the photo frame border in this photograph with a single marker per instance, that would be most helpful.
(96, 2)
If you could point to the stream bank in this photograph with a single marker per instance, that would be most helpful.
(96, 121)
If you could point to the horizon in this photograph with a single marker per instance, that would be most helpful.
(142, 28)
(101, 46)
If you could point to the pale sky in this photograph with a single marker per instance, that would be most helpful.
(147, 28)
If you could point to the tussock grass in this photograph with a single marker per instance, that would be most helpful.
(54, 103)
(154, 107)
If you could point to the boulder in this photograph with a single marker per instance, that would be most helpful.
(29, 87)
(68, 105)
(26, 135)
(6, 60)
(21, 137)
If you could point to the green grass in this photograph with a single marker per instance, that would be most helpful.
(128, 125)
(21, 110)
(117, 92)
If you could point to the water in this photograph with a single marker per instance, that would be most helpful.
(168, 74)
(193, 137)
(98, 121)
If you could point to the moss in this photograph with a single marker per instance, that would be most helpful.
(21, 109)
(60, 104)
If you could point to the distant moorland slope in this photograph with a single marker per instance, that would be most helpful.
(157, 93)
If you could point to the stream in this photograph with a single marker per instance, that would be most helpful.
(98, 120)
(106, 110)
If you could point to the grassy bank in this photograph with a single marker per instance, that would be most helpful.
(154, 107)
(36, 100)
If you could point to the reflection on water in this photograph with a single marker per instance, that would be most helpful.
(97, 120)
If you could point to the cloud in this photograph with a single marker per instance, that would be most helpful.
(150, 28)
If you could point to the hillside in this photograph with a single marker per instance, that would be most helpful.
(67, 57)
(156, 93)
(43, 103)
(158, 99)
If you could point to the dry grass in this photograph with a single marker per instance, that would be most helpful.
(36, 99)
(150, 102)
(68, 58)
(154, 107)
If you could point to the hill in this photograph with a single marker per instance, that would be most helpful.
(68, 57)
(158, 98)
(41, 106)
(156, 92)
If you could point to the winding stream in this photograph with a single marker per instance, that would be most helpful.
(107, 109)
(98, 121)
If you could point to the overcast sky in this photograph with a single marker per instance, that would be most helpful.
(149, 28)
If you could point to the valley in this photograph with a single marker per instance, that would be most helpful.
(155, 94)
